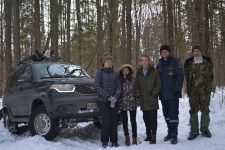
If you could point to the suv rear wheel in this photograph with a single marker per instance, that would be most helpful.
(12, 127)
(40, 123)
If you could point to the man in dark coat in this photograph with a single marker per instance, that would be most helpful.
(199, 75)
(147, 87)
(171, 73)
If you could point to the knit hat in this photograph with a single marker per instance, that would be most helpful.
(164, 47)
(196, 47)
(107, 57)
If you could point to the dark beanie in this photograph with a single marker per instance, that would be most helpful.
(164, 47)
(107, 57)
(196, 47)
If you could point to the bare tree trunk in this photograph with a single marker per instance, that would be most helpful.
(164, 22)
(2, 56)
(79, 31)
(56, 30)
(170, 25)
(16, 31)
(138, 27)
(68, 58)
(64, 34)
(99, 31)
(195, 36)
(103, 35)
(110, 3)
(180, 34)
(8, 17)
(175, 50)
(207, 41)
(42, 14)
(123, 41)
(202, 25)
(129, 28)
(37, 33)
(52, 24)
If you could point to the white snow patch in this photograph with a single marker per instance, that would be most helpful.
(86, 137)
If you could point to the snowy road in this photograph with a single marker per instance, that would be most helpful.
(86, 137)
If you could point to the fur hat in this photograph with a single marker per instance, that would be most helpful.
(196, 47)
(127, 66)
(165, 47)
(107, 57)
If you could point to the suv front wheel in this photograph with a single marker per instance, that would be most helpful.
(40, 123)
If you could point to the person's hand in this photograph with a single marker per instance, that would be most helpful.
(110, 98)
(113, 101)
(121, 108)
(176, 93)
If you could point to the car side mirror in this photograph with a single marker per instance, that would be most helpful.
(24, 78)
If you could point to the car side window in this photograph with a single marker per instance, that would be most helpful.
(28, 71)
(17, 74)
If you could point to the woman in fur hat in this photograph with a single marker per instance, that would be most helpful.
(108, 88)
(128, 101)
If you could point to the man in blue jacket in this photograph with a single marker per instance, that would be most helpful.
(172, 76)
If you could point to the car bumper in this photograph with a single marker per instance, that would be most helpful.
(70, 106)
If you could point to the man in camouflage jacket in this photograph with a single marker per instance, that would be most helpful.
(199, 76)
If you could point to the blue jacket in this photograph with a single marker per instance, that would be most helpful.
(107, 84)
(172, 76)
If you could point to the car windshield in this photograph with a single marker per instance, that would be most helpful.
(59, 70)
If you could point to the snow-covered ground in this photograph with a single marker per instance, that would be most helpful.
(86, 137)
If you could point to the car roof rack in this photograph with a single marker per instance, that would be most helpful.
(21, 63)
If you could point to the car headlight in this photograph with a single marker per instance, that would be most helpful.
(63, 87)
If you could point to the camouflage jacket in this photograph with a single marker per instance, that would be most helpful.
(199, 77)
(128, 100)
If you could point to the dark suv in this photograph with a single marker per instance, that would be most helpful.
(49, 96)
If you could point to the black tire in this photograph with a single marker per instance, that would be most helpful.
(98, 124)
(40, 123)
(12, 127)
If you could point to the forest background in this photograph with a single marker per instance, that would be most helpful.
(80, 31)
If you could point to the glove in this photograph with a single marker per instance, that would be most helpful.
(113, 101)
(176, 93)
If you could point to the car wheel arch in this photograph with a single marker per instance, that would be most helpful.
(38, 99)
(36, 103)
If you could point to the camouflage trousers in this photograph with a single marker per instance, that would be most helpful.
(199, 102)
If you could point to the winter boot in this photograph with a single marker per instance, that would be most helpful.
(205, 125)
(104, 145)
(153, 139)
(127, 140)
(115, 144)
(135, 140)
(148, 138)
(192, 136)
(168, 137)
(173, 140)
(207, 133)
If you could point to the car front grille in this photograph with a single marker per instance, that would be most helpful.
(85, 89)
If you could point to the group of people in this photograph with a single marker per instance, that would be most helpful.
(127, 89)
